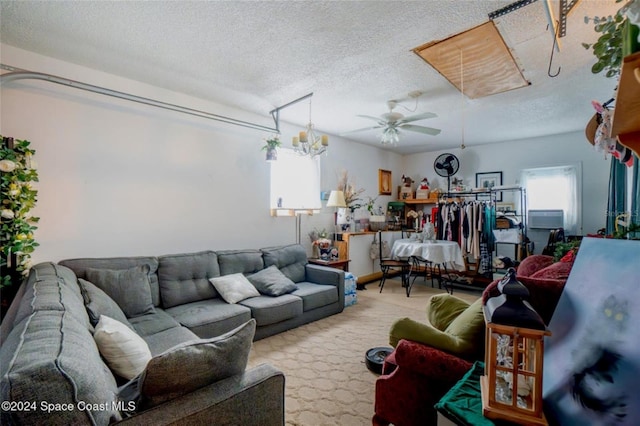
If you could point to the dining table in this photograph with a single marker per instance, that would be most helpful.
(439, 252)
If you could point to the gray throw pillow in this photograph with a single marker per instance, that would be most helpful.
(195, 364)
(234, 288)
(129, 288)
(272, 282)
(97, 303)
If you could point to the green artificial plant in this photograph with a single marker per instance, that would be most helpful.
(272, 143)
(17, 172)
(617, 40)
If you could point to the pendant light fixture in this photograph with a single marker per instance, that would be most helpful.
(307, 142)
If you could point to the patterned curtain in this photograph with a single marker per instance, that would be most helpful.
(617, 189)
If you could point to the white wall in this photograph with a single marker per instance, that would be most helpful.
(120, 178)
(512, 157)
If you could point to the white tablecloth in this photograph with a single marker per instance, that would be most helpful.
(439, 251)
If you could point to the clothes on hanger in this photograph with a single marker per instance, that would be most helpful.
(469, 224)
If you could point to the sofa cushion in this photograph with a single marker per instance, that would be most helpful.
(271, 282)
(210, 318)
(469, 325)
(153, 323)
(129, 288)
(533, 263)
(166, 339)
(443, 309)
(52, 287)
(127, 354)
(240, 261)
(97, 303)
(234, 287)
(50, 356)
(184, 278)
(270, 310)
(555, 271)
(290, 260)
(316, 295)
(193, 365)
(79, 266)
(463, 337)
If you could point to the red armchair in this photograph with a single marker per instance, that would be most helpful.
(415, 376)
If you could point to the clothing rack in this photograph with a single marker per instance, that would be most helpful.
(485, 271)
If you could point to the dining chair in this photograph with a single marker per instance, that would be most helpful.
(425, 268)
(389, 266)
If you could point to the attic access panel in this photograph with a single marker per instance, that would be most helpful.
(488, 65)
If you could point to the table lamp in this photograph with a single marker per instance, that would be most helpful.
(336, 199)
(512, 384)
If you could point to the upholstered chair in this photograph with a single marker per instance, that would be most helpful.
(430, 357)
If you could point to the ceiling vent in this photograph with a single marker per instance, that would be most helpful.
(482, 55)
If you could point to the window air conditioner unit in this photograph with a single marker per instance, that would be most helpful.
(545, 219)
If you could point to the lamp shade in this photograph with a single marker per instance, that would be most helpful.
(336, 199)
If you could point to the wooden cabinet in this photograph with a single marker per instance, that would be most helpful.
(356, 246)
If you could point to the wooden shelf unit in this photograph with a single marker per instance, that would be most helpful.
(626, 115)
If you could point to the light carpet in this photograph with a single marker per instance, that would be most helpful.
(326, 378)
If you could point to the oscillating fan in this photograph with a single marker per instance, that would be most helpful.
(446, 165)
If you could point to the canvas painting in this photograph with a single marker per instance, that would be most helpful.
(592, 358)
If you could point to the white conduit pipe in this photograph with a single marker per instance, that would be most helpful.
(18, 74)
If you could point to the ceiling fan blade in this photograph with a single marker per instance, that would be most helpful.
(418, 117)
(378, 119)
(360, 130)
(421, 129)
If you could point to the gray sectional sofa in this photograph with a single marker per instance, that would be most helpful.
(53, 373)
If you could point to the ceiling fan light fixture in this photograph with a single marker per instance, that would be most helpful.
(390, 136)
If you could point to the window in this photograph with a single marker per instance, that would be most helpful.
(295, 183)
(553, 188)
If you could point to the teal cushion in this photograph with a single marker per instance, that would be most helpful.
(463, 402)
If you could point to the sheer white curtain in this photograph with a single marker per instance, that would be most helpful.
(295, 182)
(556, 188)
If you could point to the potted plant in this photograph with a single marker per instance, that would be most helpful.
(377, 219)
(351, 193)
(271, 147)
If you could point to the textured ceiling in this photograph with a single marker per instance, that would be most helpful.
(354, 56)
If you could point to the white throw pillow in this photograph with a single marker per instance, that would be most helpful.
(126, 353)
(234, 287)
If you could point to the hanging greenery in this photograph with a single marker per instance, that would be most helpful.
(618, 39)
(17, 172)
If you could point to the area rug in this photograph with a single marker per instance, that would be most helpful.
(326, 378)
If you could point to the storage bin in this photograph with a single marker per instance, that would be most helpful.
(507, 235)
(350, 294)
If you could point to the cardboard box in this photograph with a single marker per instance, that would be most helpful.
(422, 194)
(405, 193)
(434, 195)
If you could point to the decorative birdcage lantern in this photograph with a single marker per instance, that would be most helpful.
(512, 384)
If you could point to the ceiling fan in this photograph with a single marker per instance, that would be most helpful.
(392, 122)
